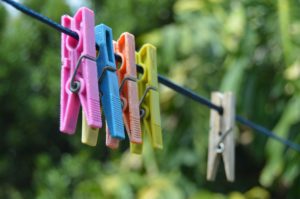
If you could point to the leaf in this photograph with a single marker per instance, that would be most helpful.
(284, 24)
(274, 149)
(233, 77)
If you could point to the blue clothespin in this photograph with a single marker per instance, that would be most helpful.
(108, 81)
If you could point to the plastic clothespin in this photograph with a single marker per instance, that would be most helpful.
(108, 87)
(221, 136)
(79, 73)
(89, 135)
(149, 98)
(108, 82)
(125, 48)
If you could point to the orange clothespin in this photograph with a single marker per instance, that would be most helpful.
(149, 98)
(221, 136)
(127, 76)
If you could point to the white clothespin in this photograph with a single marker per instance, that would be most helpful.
(221, 136)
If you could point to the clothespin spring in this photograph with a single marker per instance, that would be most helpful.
(142, 111)
(127, 78)
(220, 145)
(106, 68)
(75, 85)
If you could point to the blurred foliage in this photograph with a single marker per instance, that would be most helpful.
(250, 47)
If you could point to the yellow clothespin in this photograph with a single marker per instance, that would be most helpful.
(221, 136)
(149, 98)
(89, 135)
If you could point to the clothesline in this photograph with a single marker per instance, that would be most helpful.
(161, 79)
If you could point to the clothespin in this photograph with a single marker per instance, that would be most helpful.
(79, 82)
(108, 87)
(108, 81)
(125, 48)
(221, 136)
(149, 98)
(89, 135)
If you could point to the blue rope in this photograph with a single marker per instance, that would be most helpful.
(42, 18)
(188, 93)
(244, 121)
(163, 80)
(267, 132)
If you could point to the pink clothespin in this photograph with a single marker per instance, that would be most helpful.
(79, 81)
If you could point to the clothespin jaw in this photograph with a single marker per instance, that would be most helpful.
(108, 81)
(221, 136)
(89, 135)
(149, 97)
(111, 142)
(79, 73)
(127, 75)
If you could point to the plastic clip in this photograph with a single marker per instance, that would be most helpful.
(149, 98)
(79, 73)
(108, 88)
(125, 48)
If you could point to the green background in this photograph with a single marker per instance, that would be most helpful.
(250, 47)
